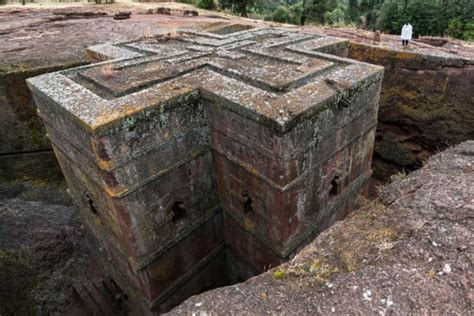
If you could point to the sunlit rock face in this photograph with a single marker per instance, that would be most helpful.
(199, 160)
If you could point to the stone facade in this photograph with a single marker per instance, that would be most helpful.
(199, 159)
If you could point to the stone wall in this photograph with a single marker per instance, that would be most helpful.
(37, 41)
(426, 104)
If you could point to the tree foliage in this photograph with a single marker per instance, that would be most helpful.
(336, 16)
(316, 10)
(428, 17)
(281, 15)
(205, 4)
(239, 6)
(453, 18)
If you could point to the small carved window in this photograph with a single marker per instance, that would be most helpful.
(178, 212)
(248, 203)
(336, 187)
(91, 204)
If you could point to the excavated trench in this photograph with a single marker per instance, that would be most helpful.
(408, 134)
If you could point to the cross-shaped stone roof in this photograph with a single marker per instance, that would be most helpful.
(270, 75)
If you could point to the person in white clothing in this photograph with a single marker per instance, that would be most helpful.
(407, 32)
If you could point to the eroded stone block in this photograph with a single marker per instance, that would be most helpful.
(181, 146)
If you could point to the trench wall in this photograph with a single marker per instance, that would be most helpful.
(21, 129)
(426, 105)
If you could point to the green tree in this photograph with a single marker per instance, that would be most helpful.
(336, 16)
(390, 18)
(353, 10)
(239, 6)
(455, 28)
(468, 33)
(281, 15)
(424, 16)
(205, 4)
(428, 17)
(370, 12)
(316, 10)
(296, 13)
(267, 6)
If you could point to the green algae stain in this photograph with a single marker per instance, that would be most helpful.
(37, 135)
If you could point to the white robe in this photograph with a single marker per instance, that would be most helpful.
(407, 32)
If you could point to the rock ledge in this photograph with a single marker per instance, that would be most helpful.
(410, 251)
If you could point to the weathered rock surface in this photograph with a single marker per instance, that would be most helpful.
(285, 128)
(409, 252)
(37, 38)
(42, 249)
(33, 177)
(426, 104)
(42, 40)
(423, 108)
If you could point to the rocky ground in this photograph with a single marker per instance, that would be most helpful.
(43, 251)
(32, 33)
(410, 252)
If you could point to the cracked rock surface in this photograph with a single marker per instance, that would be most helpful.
(408, 252)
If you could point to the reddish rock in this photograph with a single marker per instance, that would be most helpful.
(262, 128)
(425, 104)
(407, 253)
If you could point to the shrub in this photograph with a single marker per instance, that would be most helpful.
(315, 10)
(281, 15)
(296, 12)
(455, 28)
(205, 4)
(468, 33)
(336, 16)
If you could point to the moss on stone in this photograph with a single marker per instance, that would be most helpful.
(37, 133)
(396, 152)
